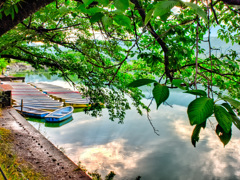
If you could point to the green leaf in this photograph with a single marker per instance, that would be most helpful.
(198, 10)
(121, 5)
(236, 121)
(196, 132)
(140, 82)
(223, 136)
(104, 2)
(122, 20)
(107, 21)
(233, 102)
(199, 110)
(131, 5)
(94, 10)
(63, 10)
(67, 2)
(87, 2)
(7, 11)
(12, 12)
(229, 108)
(96, 17)
(178, 83)
(148, 16)
(160, 93)
(197, 92)
(15, 8)
(164, 7)
(223, 117)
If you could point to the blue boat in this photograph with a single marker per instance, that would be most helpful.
(60, 114)
(33, 112)
(58, 124)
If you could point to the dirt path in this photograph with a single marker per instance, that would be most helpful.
(34, 148)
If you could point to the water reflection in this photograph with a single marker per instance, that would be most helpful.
(132, 149)
(50, 124)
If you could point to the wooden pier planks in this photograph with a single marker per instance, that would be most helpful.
(69, 97)
(32, 97)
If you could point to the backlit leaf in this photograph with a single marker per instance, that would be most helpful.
(197, 92)
(233, 102)
(121, 5)
(199, 11)
(163, 7)
(223, 117)
(87, 2)
(122, 20)
(148, 16)
(229, 108)
(107, 21)
(236, 121)
(160, 93)
(141, 82)
(104, 2)
(178, 83)
(199, 110)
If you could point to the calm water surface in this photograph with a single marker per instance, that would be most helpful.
(133, 149)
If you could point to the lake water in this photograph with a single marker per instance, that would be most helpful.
(133, 149)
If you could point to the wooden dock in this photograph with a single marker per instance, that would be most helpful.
(11, 78)
(67, 96)
(27, 96)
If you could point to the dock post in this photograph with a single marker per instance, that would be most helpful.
(21, 105)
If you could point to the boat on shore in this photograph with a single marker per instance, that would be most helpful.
(60, 114)
(33, 112)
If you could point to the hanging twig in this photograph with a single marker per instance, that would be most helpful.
(150, 121)
(214, 13)
(196, 60)
(209, 45)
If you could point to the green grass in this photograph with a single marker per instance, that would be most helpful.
(12, 166)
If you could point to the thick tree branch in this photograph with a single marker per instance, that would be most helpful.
(26, 8)
(155, 35)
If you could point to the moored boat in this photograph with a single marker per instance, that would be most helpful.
(33, 112)
(60, 114)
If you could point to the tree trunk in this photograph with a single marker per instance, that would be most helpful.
(25, 9)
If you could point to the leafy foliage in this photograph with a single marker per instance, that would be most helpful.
(197, 92)
(141, 82)
(223, 135)
(108, 45)
(223, 117)
(160, 93)
(196, 133)
(199, 110)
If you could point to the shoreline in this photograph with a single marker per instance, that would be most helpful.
(31, 146)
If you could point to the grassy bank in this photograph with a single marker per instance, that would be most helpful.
(11, 165)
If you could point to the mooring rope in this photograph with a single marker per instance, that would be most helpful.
(5, 178)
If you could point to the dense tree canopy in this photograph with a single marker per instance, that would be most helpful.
(115, 46)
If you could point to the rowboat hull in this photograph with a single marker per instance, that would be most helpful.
(78, 105)
(32, 112)
(58, 124)
(60, 114)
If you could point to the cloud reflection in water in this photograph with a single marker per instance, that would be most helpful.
(132, 149)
